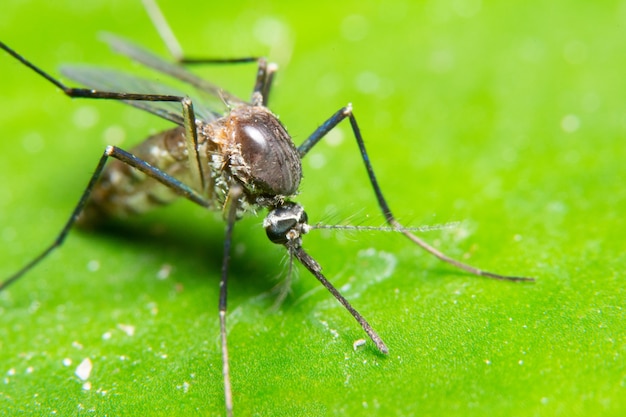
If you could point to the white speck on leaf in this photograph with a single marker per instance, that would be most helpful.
(164, 272)
(358, 343)
(83, 370)
(127, 328)
(93, 265)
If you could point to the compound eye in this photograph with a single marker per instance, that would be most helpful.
(273, 161)
(255, 138)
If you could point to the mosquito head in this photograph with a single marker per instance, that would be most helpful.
(286, 224)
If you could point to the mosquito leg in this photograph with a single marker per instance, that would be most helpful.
(315, 269)
(129, 159)
(230, 212)
(86, 92)
(189, 119)
(264, 74)
(333, 121)
(263, 84)
(172, 44)
(164, 29)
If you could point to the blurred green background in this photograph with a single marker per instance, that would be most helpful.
(509, 117)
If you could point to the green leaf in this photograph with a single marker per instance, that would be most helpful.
(509, 118)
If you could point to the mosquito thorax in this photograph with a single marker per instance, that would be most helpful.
(286, 223)
(262, 155)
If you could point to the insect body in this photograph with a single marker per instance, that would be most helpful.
(248, 147)
(237, 162)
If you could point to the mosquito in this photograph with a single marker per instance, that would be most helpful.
(238, 160)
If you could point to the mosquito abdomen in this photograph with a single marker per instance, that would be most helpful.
(123, 191)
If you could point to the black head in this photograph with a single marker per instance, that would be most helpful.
(286, 224)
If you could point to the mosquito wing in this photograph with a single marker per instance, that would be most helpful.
(115, 81)
(144, 57)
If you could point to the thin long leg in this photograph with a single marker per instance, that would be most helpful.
(86, 92)
(234, 193)
(129, 159)
(189, 118)
(264, 73)
(315, 269)
(172, 44)
(333, 121)
(263, 84)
